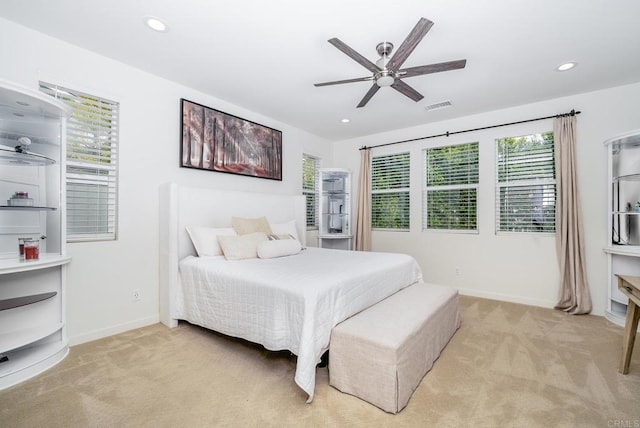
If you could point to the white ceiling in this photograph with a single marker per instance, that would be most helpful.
(266, 55)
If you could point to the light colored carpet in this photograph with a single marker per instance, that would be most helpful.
(509, 365)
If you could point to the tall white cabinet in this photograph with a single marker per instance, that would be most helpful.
(623, 248)
(334, 209)
(32, 292)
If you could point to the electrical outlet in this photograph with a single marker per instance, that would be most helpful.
(457, 271)
(135, 295)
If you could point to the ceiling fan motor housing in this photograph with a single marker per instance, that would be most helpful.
(386, 71)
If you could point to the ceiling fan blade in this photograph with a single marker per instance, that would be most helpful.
(338, 82)
(409, 44)
(370, 93)
(354, 55)
(407, 90)
(432, 68)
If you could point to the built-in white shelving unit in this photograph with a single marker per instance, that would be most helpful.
(623, 248)
(32, 292)
(334, 209)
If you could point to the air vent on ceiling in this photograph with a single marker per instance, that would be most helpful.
(438, 106)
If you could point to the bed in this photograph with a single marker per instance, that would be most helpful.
(284, 303)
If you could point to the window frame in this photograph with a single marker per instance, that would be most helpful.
(426, 188)
(98, 172)
(523, 183)
(392, 190)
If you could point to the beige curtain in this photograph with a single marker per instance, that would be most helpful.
(574, 290)
(363, 213)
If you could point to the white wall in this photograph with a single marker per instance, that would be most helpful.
(102, 275)
(513, 267)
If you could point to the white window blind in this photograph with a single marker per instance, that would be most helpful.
(390, 182)
(526, 184)
(92, 159)
(450, 192)
(310, 166)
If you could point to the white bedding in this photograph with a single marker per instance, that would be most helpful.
(289, 302)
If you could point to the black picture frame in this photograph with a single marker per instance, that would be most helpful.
(216, 141)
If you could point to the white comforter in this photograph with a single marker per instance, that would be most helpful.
(289, 302)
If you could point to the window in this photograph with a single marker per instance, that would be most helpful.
(310, 167)
(450, 192)
(390, 191)
(92, 155)
(526, 184)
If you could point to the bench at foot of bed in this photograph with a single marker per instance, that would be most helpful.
(382, 353)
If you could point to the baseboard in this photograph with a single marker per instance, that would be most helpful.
(597, 311)
(507, 298)
(110, 331)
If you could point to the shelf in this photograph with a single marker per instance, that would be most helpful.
(32, 301)
(46, 260)
(10, 156)
(30, 361)
(629, 139)
(28, 208)
(628, 177)
(16, 302)
(334, 209)
(623, 250)
(625, 212)
(624, 302)
(19, 338)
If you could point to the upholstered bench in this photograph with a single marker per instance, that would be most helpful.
(382, 353)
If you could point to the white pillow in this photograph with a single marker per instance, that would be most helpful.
(241, 246)
(281, 248)
(205, 239)
(288, 228)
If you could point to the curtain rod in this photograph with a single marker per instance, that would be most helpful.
(446, 134)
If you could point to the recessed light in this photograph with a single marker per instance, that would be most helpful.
(566, 66)
(156, 24)
(345, 120)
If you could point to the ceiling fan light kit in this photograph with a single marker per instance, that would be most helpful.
(385, 79)
(386, 71)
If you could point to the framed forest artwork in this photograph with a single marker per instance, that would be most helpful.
(217, 141)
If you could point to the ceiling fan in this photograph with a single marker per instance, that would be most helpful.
(386, 71)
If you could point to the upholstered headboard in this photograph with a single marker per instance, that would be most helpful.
(182, 206)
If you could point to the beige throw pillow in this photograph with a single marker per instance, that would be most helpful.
(244, 226)
(241, 247)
